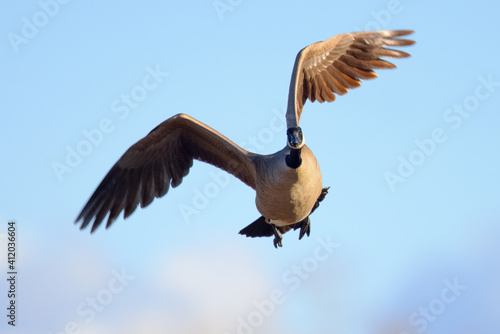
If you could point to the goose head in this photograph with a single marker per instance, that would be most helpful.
(295, 138)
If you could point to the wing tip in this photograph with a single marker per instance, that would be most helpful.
(403, 32)
(95, 224)
(94, 227)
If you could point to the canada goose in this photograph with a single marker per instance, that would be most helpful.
(287, 183)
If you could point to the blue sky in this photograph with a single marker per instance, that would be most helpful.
(93, 78)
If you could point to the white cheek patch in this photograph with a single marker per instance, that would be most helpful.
(297, 147)
(303, 141)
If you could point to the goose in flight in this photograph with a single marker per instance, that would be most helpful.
(287, 183)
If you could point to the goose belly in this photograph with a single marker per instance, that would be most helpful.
(288, 196)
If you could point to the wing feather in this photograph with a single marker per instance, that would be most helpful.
(160, 160)
(331, 67)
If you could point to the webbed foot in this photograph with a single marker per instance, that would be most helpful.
(277, 237)
(305, 227)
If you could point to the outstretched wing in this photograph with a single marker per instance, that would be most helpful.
(331, 67)
(163, 158)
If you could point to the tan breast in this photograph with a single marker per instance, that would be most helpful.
(287, 195)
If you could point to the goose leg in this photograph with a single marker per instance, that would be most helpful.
(305, 227)
(277, 237)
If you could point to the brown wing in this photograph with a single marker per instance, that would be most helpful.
(159, 160)
(331, 67)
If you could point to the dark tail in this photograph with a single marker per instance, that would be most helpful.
(258, 228)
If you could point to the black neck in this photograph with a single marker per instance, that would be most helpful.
(293, 160)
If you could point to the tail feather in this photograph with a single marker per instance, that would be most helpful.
(259, 228)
